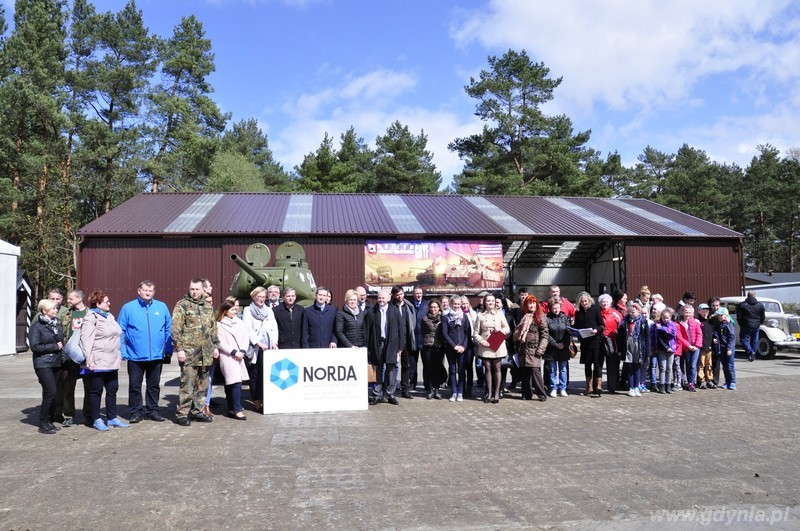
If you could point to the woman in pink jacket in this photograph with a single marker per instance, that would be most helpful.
(233, 342)
(100, 342)
(690, 341)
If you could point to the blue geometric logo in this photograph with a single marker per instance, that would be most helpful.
(284, 373)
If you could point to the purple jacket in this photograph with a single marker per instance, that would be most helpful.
(664, 336)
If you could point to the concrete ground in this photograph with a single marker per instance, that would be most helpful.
(725, 459)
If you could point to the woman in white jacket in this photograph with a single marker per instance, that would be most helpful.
(233, 344)
(263, 334)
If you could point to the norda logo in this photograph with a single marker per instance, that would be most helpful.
(331, 373)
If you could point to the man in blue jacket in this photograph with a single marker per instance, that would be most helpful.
(318, 322)
(146, 340)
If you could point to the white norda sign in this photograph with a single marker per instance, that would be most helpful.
(306, 380)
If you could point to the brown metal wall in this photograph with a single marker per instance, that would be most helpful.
(117, 265)
(707, 267)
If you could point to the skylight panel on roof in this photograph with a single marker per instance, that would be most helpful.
(194, 214)
(404, 220)
(499, 216)
(591, 217)
(661, 220)
(298, 214)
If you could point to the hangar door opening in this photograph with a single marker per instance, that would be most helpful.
(593, 265)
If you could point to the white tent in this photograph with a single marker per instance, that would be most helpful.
(9, 254)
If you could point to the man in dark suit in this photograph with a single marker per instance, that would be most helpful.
(363, 304)
(386, 339)
(409, 323)
(420, 310)
(289, 318)
(318, 322)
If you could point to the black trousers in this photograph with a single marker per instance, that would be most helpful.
(532, 375)
(65, 394)
(109, 381)
(48, 379)
(137, 371)
(432, 359)
(612, 371)
(594, 362)
(256, 373)
(405, 371)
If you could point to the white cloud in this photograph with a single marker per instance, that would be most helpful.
(370, 103)
(641, 54)
(719, 75)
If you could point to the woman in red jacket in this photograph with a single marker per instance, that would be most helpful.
(690, 341)
(611, 321)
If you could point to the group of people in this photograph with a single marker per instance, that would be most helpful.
(644, 345)
(662, 349)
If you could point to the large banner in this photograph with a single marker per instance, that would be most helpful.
(318, 379)
(436, 267)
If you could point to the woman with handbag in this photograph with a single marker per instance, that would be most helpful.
(46, 338)
(100, 341)
(531, 338)
(489, 321)
(233, 343)
(558, 347)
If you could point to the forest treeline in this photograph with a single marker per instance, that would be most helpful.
(95, 109)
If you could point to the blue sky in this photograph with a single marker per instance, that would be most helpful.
(719, 75)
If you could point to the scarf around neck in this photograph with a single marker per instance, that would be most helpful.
(523, 327)
(259, 314)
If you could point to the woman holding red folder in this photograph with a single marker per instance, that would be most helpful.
(491, 345)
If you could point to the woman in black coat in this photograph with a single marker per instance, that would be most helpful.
(46, 338)
(433, 347)
(349, 324)
(588, 316)
(557, 353)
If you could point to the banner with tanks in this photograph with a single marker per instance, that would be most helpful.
(436, 267)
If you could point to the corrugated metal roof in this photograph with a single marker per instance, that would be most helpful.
(509, 217)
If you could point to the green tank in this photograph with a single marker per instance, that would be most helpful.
(290, 270)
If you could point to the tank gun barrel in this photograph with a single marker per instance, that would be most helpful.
(463, 256)
(260, 278)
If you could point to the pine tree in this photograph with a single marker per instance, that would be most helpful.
(403, 164)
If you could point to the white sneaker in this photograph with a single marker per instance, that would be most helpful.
(459, 397)
(637, 392)
(563, 392)
(631, 392)
(453, 397)
(553, 393)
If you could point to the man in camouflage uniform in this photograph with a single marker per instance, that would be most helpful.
(194, 336)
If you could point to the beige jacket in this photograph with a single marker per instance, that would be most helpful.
(100, 342)
(485, 324)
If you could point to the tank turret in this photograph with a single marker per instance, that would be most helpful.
(290, 270)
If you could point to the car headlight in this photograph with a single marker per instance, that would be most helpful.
(773, 323)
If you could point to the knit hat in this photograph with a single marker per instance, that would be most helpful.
(722, 311)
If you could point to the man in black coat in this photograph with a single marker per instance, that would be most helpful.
(386, 339)
(409, 315)
(751, 314)
(289, 318)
